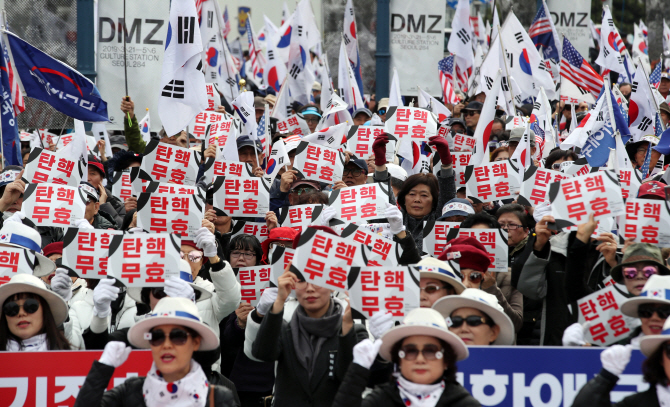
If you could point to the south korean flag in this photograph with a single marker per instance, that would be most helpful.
(182, 93)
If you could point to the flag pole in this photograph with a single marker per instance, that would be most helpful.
(646, 79)
(225, 58)
(125, 61)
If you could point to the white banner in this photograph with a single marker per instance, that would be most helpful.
(144, 259)
(53, 204)
(85, 251)
(394, 290)
(571, 19)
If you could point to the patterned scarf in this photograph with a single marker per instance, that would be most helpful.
(37, 343)
(190, 391)
(419, 395)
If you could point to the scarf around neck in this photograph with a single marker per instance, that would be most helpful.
(37, 343)
(309, 334)
(419, 395)
(190, 391)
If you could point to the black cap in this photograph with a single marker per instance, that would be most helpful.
(474, 106)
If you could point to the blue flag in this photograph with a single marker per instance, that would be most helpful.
(663, 145)
(620, 117)
(598, 145)
(10, 131)
(56, 83)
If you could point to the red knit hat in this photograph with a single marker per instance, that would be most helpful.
(469, 253)
(281, 234)
(191, 243)
(53, 248)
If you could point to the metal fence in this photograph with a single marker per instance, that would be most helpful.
(50, 25)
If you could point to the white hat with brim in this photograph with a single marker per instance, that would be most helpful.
(649, 343)
(28, 283)
(656, 291)
(431, 267)
(484, 302)
(424, 322)
(16, 234)
(173, 311)
(185, 274)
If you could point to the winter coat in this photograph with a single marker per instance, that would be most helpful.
(104, 221)
(115, 208)
(129, 393)
(509, 298)
(387, 395)
(81, 313)
(596, 393)
(134, 138)
(79, 291)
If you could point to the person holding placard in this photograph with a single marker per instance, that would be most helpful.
(424, 353)
(95, 218)
(437, 280)
(651, 306)
(109, 203)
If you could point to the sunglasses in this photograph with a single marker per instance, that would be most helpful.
(475, 277)
(470, 113)
(429, 352)
(301, 191)
(12, 308)
(178, 337)
(632, 272)
(194, 256)
(381, 111)
(647, 310)
(432, 289)
(158, 293)
(472, 320)
(354, 173)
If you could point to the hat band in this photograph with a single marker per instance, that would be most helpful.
(186, 276)
(655, 294)
(640, 258)
(25, 242)
(666, 332)
(182, 314)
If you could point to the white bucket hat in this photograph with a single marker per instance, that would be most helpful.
(484, 302)
(656, 291)
(422, 321)
(185, 274)
(27, 283)
(173, 311)
(649, 343)
(431, 267)
(17, 234)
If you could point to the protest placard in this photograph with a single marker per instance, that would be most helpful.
(85, 251)
(144, 259)
(258, 229)
(435, 236)
(381, 251)
(535, 185)
(167, 163)
(360, 139)
(578, 167)
(222, 128)
(574, 199)
(630, 182)
(293, 124)
(46, 166)
(279, 257)
(492, 181)
(121, 186)
(15, 260)
(138, 180)
(225, 168)
(175, 189)
(394, 290)
(242, 197)
(462, 143)
(170, 213)
(53, 204)
(606, 324)
(360, 203)
(324, 259)
(319, 163)
(253, 281)
(495, 242)
(647, 221)
(297, 217)
(413, 122)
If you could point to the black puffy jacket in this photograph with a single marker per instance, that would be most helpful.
(129, 393)
(596, 393)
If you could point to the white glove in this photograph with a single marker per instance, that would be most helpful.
(366, 351)
(574, 335)
(205, 240)
(82, 224)
(115, 354)
(394, 216)
(616, 358)
(136, 230)
(379, 323)
(327, 214)
(267, 299)
(61, 284)
(542, 210)
(103, 295)
(18, 216)
(176, 287)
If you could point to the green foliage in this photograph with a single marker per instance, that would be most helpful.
(634, 11)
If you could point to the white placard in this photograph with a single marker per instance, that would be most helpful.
(242, 197)
(606, 323)
(53, 204)
(319, 163)
(167, 163)
(144, 259)
(381, 251)
(85, 251)
(253, 281)
(14, 260)
(630, 182)
(360, 139)
(394, 290)
(435, 236)
(297, 217)
(571, 18)
(257, 229)
(121, 186)
(492, 181)
(170, 213)
(495, 242)
(293, 124)
(360, 203)
(646, 221)
(535, 185)
(415, 123)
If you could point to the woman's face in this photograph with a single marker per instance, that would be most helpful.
(482, 334)
(172, 360)
(195, 265)
(640, 154)
(25, 325)
(427, 300)
(635, 275)
(502, 156)
(420, 370)
(419, 201)
(314, 299)
(243, 258)
(652, 325)
(515, 231)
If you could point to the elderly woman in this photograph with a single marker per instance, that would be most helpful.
(652, 309)
(424, 353)
(173, 332)
(477, 318)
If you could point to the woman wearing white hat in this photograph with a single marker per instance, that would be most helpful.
(173, 332)
(477, 318)
(652, 306)
(424, 352)
(31, 316)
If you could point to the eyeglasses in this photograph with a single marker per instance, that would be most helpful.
(648, 310)
(470, 112)
(12, 308)
(310, 120)
(194, 256)
(429, 352)
(354, 173)
(247, 255)
(632, 272)
(475, 277)
(301, 191)
(509, 226)
(178, 337)
(471, 320)
(382, 111)
(432, 289)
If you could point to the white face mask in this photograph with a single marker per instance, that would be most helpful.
(6, 215)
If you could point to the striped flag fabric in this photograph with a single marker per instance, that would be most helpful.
(226, 23)
(446, 69)
(255, 54)
(576, 70)
(655, 77)
(14, 88)
(542, 33)
(198, 8)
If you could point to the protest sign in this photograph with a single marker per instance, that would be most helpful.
(167, 163)
(170, 213)
(360, 139)
(46, 166)
(415, 123)
(435, 236)
(293, 124)
(224, 168)
(144, 259)
(360, 203)
(495, 242)
(242, 197)
(574, 199)
(53, 204)
(381, 251)
(535, 185)
(121, 185)
(394, 290)
(221, 128)
(212, 100)
(138, 180)
(319, 163)
(258, 229)
(647, 221)
(279, 257)
(253, 281)
(463, 143)
(324, 259)
(630, 182)
(85, 251)
(492, 181)
(606, 324)
(15, 260)
(460, 162)
(297, 217)
(175, 189)
(578, 167)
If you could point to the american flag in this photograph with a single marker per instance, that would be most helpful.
(226, 23)
(14, 87)
(647, 160)
(462, 78)
(255, 55)
(198, 8)
(540, 26)
(446, 69)
(655, 77)
(576, 70)
(262, 134)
